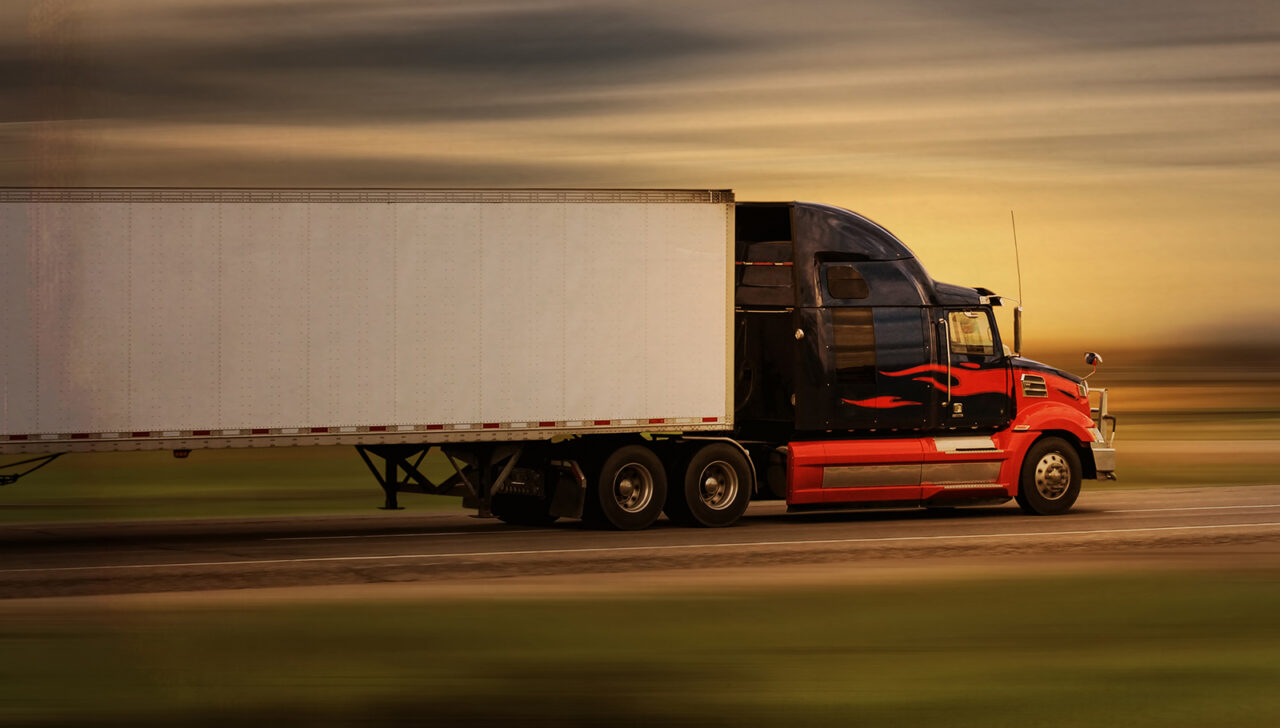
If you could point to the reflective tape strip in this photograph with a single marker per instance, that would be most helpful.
(355, 429)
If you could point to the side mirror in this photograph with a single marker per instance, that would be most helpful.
(1093, 359)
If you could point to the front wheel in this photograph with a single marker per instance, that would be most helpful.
(715, 490)
(1050, 479)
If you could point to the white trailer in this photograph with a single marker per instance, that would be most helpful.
(393, 320)
(173, 319)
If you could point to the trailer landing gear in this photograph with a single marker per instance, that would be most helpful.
(407, 460)
(40, 462)
(516, 483)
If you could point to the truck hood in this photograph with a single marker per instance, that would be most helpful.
(1019, 362)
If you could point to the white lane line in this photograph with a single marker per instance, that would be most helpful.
(1193, 508)
(668, 547)
(405, 535)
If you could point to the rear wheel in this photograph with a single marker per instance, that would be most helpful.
(1050, 478)
(630, 489)
(716, 488)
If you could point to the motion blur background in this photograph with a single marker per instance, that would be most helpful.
(1138, 143)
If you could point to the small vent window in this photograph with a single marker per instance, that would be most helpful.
(845, 282)
(1033, 386)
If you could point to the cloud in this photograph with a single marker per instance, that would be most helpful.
(337, 62)
(1129, 24)
(818, 85)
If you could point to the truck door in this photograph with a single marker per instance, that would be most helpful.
(903, 387)
(881, 368)
(835, 369)
(974, 386)
(873, 362)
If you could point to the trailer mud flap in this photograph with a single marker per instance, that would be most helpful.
(570, 494)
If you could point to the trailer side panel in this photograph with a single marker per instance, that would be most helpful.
(155, 320)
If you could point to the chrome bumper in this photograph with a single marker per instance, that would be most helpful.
(1104, 454)
(1104, 461)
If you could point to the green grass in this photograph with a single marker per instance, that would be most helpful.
(1189, 449)
(1162, 649)
(209, 483)
(1145, 472)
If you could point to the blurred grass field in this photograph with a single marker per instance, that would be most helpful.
(1162, 648)
(1200, 432)
(257, 482)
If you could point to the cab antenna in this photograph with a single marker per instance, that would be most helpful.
(1016, 258)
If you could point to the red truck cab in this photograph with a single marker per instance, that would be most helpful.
(901, 392)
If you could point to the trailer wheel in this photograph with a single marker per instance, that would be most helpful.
(716, 488)
(1050, 478)
(631, 488)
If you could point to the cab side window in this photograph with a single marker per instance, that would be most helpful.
(971, 335)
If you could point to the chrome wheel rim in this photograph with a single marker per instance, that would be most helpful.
(633, 488)
(718, 485)
(1053, 476)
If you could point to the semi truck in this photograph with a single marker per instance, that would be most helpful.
(609, 355)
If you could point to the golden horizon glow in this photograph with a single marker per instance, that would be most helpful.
(1136, 143)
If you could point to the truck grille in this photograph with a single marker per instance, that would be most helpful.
(1033, 386)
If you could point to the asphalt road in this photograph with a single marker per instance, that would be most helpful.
(1232, 526)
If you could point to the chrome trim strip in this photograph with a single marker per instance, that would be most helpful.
(964, 444)
(865, 476)
(983, 471)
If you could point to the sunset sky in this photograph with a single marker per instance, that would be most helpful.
(1137, 142)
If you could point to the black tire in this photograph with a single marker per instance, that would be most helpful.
(715, 490)
(521, 510)
(1050, 479)
(629, 491)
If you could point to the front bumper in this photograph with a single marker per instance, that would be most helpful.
(1104, 455)
(1104, 460)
